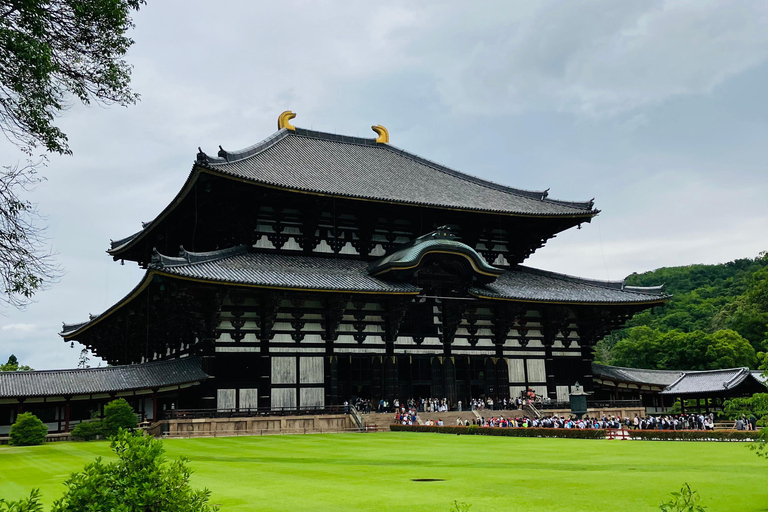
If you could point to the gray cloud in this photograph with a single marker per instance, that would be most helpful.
(657, 109)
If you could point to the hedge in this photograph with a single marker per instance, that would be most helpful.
(575, 433)
(87, 430)
(570, 433)
(693, 435)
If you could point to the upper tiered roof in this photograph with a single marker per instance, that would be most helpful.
(326, 164)
(338, 165)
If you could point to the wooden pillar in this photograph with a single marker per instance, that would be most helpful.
(154, 405)
(449, 373)
(549, 369)
(391, 382)
(66, 413)
(588, 382)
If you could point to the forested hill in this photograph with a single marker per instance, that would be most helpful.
(717, 318)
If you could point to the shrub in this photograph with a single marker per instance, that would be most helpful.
(687, 500)
(118, 414)
(87, 430)
(28, 430)
(31, 504)
(141, 479)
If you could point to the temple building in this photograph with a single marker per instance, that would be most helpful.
(312, 268)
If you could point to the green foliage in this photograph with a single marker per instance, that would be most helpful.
(31, 504)
(28, 430)
(118, 414)
(692, 435)
(13, 365)
(568, 433)
(644, 347)
(52, 51)
(687, 500)
(55, 49)
(760, 446)
(87, 430)
(140, 480)
(707, 299)
(756, 407)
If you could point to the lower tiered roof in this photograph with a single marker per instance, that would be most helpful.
(240, 266)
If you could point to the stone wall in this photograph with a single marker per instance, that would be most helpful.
(204, 427)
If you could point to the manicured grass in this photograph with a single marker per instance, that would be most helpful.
(374, 472)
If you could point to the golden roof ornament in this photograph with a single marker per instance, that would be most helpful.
(282, 121)
(383, 134)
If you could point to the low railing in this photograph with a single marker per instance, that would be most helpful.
(357, 417)
(613, 404)
(178, 414)
(592, 404)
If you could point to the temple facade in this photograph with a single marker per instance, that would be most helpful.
(313, 268)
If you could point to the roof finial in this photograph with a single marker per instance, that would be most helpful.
(382, 133)
(282, 121)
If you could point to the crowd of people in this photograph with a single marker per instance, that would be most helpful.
(406, 413)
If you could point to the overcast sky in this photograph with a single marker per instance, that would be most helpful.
(656, 109)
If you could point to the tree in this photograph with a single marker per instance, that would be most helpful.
(50, 51)
(118, 414)
(25, 264)
(13, 365)
(140, 480)
(28, 430)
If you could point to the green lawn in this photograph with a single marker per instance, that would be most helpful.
(373, 472)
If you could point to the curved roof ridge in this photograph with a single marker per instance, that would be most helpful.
(637, 369)
(657, 291)
(185, 257)
(225, 156)
(614, 285)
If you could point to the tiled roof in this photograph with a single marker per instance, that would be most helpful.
(354, 167)
(238, 266)
(101, 380)
(529, 284)
(710, 381)
(635, 375)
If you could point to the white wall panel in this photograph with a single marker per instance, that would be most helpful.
(249, 398)
(283, 397)
(311, 370)
(514, 391)
(516, 370)
(536, 371)
(225, 398)
(312, 397)
(284, 370)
